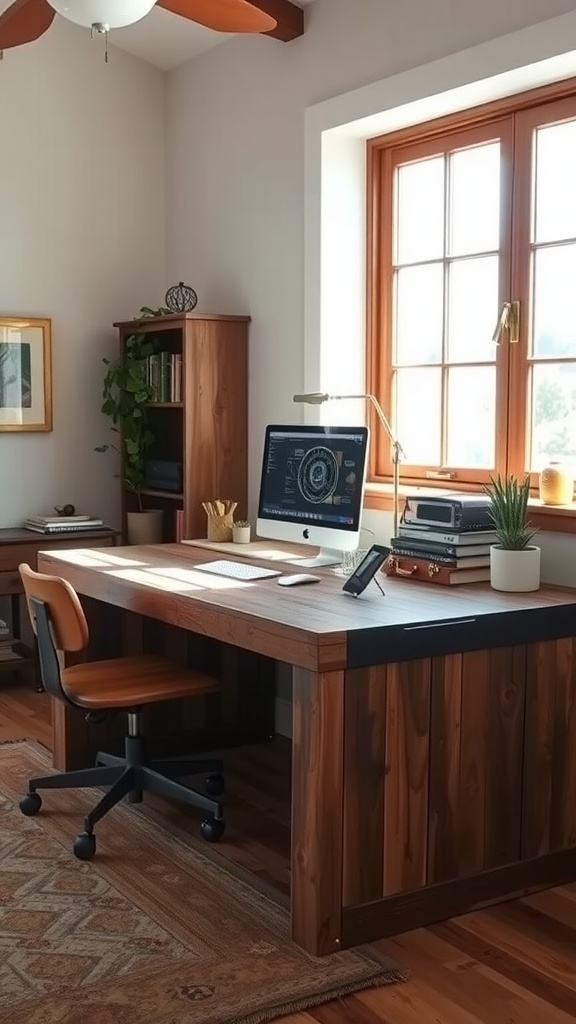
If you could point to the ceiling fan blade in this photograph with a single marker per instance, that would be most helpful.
(222, 15)
(24, 21)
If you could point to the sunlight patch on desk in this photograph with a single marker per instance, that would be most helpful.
(86, 558)
(153, 579)
(202, 580)
(277, 555)
(255, 549)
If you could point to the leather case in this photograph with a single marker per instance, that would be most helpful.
(428, 571)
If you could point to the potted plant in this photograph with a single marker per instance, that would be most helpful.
(514, 561)
(125, 393)
(241, 531)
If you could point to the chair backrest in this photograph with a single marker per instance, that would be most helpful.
(58, 622)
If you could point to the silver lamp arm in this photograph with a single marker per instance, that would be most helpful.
(319, 397)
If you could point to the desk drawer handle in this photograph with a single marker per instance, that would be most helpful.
(436, 625)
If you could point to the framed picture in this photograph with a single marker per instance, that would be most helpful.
(25, 373)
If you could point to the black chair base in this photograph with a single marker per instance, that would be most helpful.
(130, 777)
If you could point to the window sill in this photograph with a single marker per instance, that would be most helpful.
(551, 518)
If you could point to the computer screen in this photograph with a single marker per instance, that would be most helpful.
(311, 488)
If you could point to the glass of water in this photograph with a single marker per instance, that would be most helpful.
(352, 559)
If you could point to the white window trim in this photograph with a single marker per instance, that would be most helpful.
(335, 183)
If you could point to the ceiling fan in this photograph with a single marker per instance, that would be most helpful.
(26, 20)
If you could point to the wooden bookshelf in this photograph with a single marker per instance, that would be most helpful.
(207, 431)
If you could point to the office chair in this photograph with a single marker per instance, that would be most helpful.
(125, 684)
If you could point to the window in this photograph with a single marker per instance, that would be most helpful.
(472, 289)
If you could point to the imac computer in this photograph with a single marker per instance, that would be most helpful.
(311, 488)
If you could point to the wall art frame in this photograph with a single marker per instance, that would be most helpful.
(25, 373)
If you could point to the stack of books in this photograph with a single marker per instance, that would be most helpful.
(63, 524)
(5, 642)
(427, 552)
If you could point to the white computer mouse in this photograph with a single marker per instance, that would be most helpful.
(297, 578)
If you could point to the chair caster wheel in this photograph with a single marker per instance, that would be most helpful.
(215, 784)
(212, 829)
(30, 804)
(84, 846)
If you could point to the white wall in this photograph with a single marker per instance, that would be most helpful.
(82, 203)
(235, 169)
(81, 242)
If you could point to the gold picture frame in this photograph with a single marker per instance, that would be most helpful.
(25, 373)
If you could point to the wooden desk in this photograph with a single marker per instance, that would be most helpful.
(19, 545)
(434, 732)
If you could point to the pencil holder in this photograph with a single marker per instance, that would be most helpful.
(220, 527)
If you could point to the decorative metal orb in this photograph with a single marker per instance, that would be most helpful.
(181, 298)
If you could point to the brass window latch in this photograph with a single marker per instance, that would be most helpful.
(509, 320)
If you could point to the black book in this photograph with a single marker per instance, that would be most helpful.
(448, 536)
(433, 547)
(460, 561)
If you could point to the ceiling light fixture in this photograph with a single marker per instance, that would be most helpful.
(103, 15)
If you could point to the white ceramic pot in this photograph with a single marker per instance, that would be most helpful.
(144, 527)
(514, 571)
(241, 534)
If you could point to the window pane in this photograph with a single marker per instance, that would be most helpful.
(471, 417)
(418, 416)
(475, 200)
(555, 302)
(472, 309)
(553, 414)
(420, 211)
(419, 314)
(555, 195)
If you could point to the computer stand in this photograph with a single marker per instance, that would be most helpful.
(325, 556)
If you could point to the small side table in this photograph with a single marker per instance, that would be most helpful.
(20, 545)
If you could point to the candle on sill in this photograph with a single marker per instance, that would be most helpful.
(556, 484)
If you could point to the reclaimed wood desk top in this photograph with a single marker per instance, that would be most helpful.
(317, 627)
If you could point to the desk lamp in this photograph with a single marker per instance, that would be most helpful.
(319, 397)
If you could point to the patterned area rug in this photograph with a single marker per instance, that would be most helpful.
(149, 932)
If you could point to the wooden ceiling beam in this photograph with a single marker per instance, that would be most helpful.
(289, 18)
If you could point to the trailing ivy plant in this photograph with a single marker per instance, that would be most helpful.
(509, 511)
(125, 392)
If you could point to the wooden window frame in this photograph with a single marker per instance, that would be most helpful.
(379, 229)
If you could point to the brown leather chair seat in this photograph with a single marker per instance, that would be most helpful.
(127, 684)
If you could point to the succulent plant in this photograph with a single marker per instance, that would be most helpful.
(509, 511)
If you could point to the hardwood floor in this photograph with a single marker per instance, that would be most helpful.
(510, 964)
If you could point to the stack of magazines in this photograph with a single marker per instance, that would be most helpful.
(63, 524)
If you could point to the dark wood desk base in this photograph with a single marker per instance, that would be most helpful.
(436, 774)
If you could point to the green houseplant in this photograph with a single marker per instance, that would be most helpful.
(125, 392)
(514, 560)
(509, 511)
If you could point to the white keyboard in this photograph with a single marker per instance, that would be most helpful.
(237, 570)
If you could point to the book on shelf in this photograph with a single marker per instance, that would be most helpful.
(449, 537)
(7, 654)
(429, 571)
(49, 529)
(164, 377)
(59, 520)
